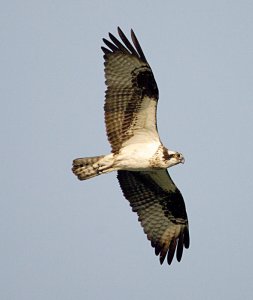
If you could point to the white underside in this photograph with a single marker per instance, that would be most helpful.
(136, 156)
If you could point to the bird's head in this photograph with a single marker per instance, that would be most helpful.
(175, 158)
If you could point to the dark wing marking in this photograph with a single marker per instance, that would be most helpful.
(161, 210)
(130, 82)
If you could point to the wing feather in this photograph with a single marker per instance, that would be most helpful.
(119, 45)
(131, 93)
(137, 45)
(110, 45)
(127, 43)
(160, 208)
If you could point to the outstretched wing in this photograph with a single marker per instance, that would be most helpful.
(132, 93)
(161, 210)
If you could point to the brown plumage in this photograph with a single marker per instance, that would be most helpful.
(137, 152)
(128, 78)
(161, 211)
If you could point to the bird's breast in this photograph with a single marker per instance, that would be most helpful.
(136, 157)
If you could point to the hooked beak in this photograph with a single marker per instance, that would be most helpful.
(182, 160)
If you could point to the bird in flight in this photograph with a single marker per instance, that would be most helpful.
(138, 155)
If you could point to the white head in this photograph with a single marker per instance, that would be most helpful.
(173, 158)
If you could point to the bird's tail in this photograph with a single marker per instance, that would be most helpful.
(87, 167)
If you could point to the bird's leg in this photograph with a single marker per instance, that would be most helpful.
(104, 165)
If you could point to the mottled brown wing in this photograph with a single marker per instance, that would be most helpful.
(161, 210)
(129, 81)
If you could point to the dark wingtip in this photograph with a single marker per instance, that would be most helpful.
(180, 247)
(126, 46)
(158, 249)
(161, 259)
(138, 46)
(119, 30)
(171, 252)
(105, 50)
(186, 238)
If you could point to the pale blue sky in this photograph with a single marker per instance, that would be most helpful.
(65, 239)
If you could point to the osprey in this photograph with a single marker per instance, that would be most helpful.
(138, 154)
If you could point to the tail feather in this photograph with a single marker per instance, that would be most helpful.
(86, 167)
